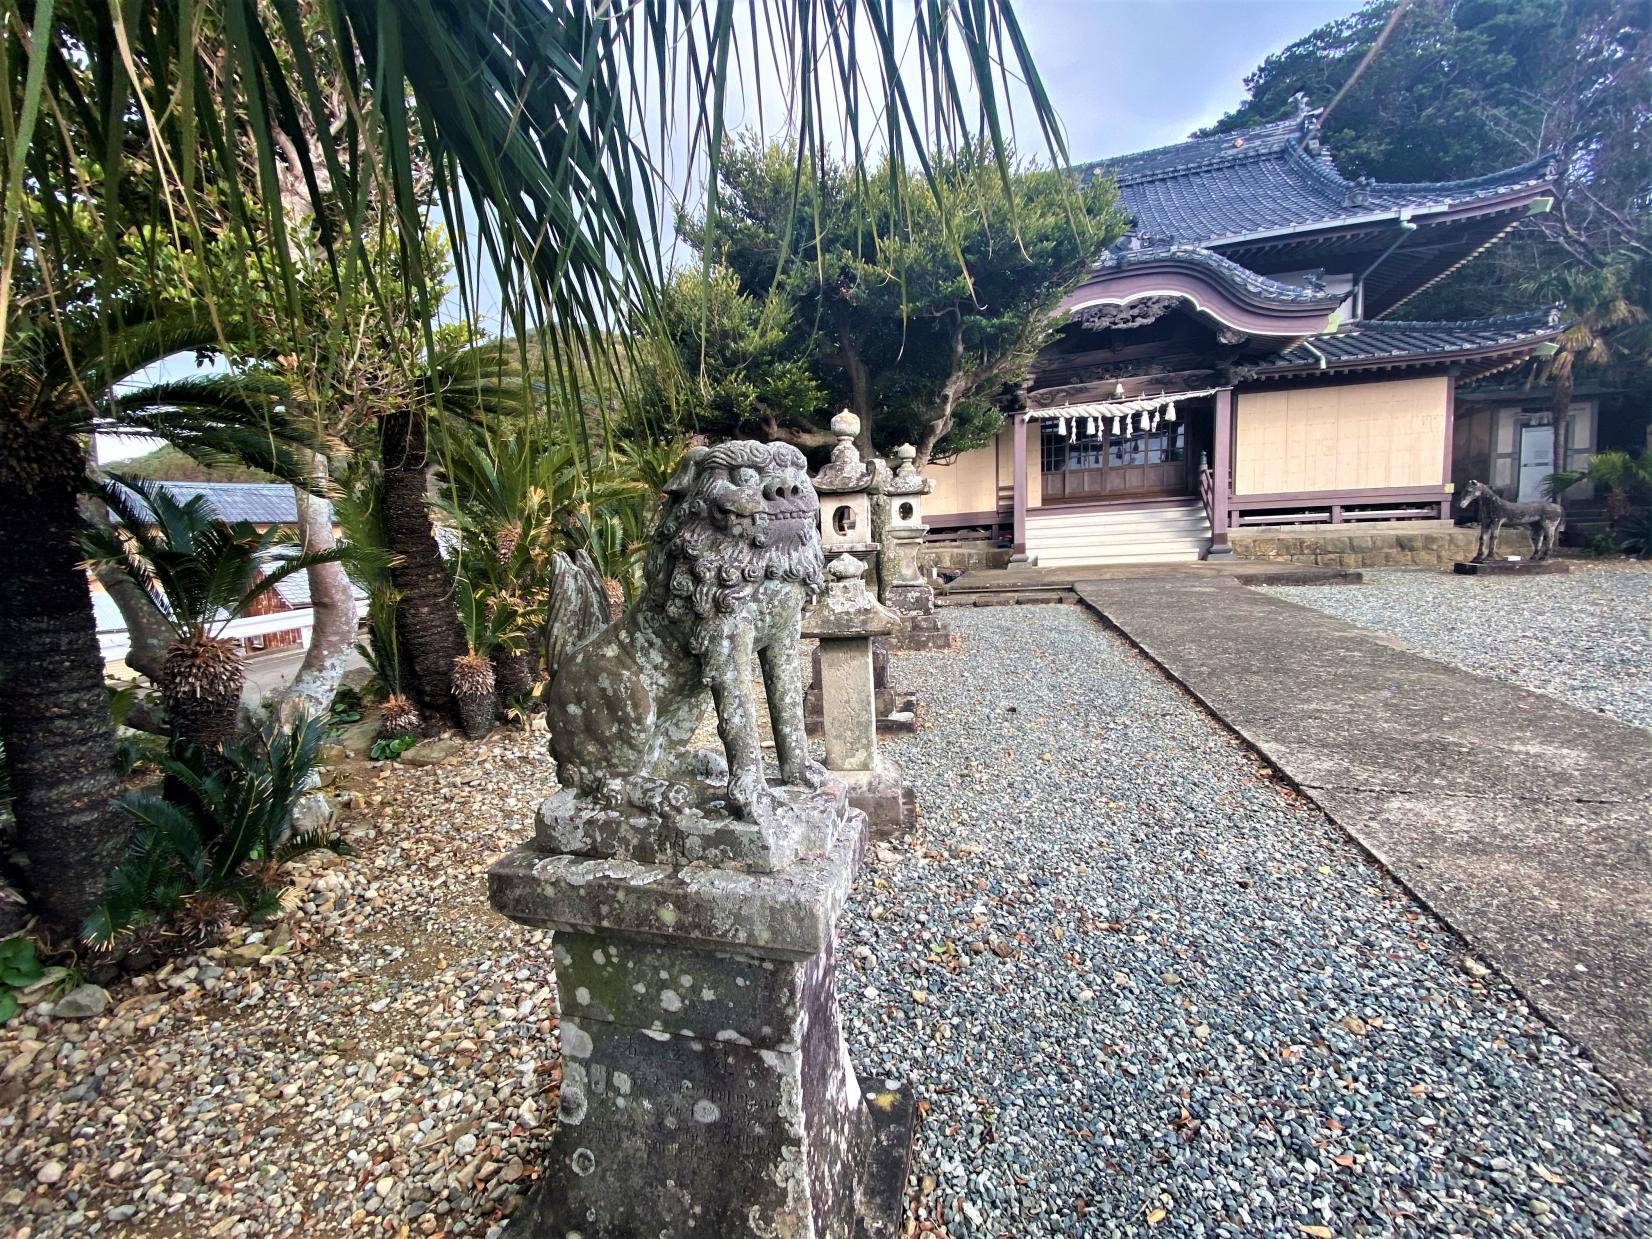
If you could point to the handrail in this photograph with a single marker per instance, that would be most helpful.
(1207, 489)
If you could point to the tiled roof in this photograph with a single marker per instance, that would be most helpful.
(1274, 178)
(1384, 342)
(261, 503)
(294, 590)
(1123, 258)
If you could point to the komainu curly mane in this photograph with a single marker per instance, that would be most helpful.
(709, 573)
(733, 561)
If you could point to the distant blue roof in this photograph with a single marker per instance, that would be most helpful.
(261, 503)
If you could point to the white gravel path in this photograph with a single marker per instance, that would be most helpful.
(1142, 987)
(1585, 636)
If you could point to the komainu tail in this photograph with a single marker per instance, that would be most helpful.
(578, 608)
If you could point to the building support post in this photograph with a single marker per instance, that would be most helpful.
(1450, 440)
(1221, 482)
(1018, 552)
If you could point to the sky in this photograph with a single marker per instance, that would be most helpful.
(1124, 75)
(1129, 75)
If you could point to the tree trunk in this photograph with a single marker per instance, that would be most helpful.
(476, 715)
(512, 674)
(54, 711)
(428, 629)
(952, 391)
(334, 611)
(860, 378)
(1560, 408)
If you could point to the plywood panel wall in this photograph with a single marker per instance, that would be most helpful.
(1355, 436)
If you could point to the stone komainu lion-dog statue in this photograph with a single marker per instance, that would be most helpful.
(735, 559)
(1546, 520)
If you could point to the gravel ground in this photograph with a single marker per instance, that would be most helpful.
(1142, 987)
(1585, 637)
(1138, 987)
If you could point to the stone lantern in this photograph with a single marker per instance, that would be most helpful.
(909, 592)
(845, 488)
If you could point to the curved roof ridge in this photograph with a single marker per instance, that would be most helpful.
(1190, 154)
(1225, 268)
(1322, 167)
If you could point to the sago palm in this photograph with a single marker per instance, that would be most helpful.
(203, 572)
(458, 388)
(59, 383)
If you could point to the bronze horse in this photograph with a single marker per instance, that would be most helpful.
(1545, 520)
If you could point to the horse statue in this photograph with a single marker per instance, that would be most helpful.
(1545, 520)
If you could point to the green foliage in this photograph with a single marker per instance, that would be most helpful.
(390, 748)
(1635, 534)
(167, 463)
(729, 363)
(19, 969)
(226, 835)
(135, 751)
(520, 709)
(1602, 545)
(333, 129)
(519, 493)
(912, 309)
(1468, 76)
(1626, 479)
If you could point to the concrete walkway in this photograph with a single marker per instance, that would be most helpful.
(1522, 822)
(996, 584)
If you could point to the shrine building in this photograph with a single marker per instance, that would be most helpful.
(1241, 357)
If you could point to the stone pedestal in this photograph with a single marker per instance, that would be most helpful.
(1510, 567)
(846, 620)
(706, 1085)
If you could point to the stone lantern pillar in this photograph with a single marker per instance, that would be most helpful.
(846, 621)
(910, 594)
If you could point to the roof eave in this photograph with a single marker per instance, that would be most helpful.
(1441, 213)
(1509, 352)
(1221, 300)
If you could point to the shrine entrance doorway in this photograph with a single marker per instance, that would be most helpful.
(1087, 461)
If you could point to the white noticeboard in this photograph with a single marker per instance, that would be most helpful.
(1536, 460)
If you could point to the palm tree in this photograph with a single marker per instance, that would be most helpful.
(204, 572)
(59, 383)
(1600, 303)
(461, 388)
(1627, 479)
(517, 493)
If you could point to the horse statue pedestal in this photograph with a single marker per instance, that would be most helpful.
(1510, 567)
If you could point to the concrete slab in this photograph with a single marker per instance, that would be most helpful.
(1524, 823)
(1025, 578)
